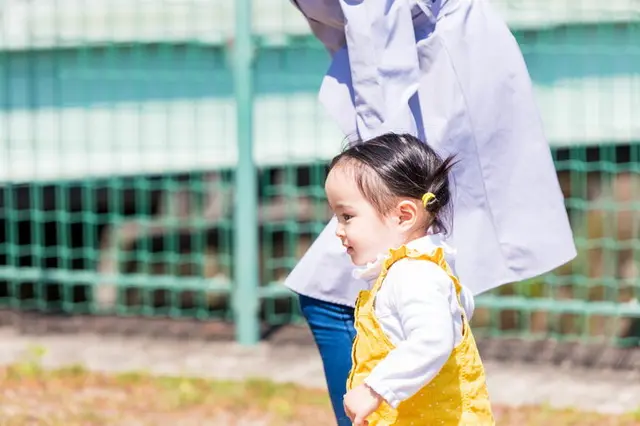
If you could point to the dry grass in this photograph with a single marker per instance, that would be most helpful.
(30, 395)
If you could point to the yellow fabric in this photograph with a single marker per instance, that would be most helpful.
(456, 396)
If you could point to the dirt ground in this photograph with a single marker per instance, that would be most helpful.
(89, 379)
(73, 396)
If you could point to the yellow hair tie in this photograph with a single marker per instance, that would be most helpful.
(427, 197)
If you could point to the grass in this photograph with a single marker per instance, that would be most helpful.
(31, 395)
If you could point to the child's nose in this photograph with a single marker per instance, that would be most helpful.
(340, 231)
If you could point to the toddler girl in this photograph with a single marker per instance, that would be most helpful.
(415, 361)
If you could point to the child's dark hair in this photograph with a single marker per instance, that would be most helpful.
(400, 165)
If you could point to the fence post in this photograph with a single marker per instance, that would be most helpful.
(245, 295)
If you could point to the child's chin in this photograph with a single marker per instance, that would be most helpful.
(357, 261)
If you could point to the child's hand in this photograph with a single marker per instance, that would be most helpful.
(359, 402)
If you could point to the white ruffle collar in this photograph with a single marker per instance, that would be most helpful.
(428, 243)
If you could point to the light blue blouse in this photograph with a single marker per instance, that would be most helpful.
(451, 73)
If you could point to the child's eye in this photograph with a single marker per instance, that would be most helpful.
(346, 217)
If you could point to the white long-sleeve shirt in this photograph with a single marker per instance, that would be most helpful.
(418, 310)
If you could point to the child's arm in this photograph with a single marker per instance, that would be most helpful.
(468, 302)
(420, 294)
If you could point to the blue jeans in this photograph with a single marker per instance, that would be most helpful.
(332, 328)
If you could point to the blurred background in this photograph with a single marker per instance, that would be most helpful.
(161, 171)
(125, 123)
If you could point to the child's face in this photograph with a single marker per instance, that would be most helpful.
(363, 231)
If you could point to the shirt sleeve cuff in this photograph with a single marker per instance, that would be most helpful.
(387, 394)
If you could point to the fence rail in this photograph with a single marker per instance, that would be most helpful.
(167, 159)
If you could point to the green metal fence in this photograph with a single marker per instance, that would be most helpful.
(167, 159)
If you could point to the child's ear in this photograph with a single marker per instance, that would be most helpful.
(407, 213)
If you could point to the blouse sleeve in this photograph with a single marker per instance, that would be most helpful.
(332, 38)
(371, 86)
(384, 64)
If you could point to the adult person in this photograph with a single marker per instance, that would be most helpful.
(451, 73)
